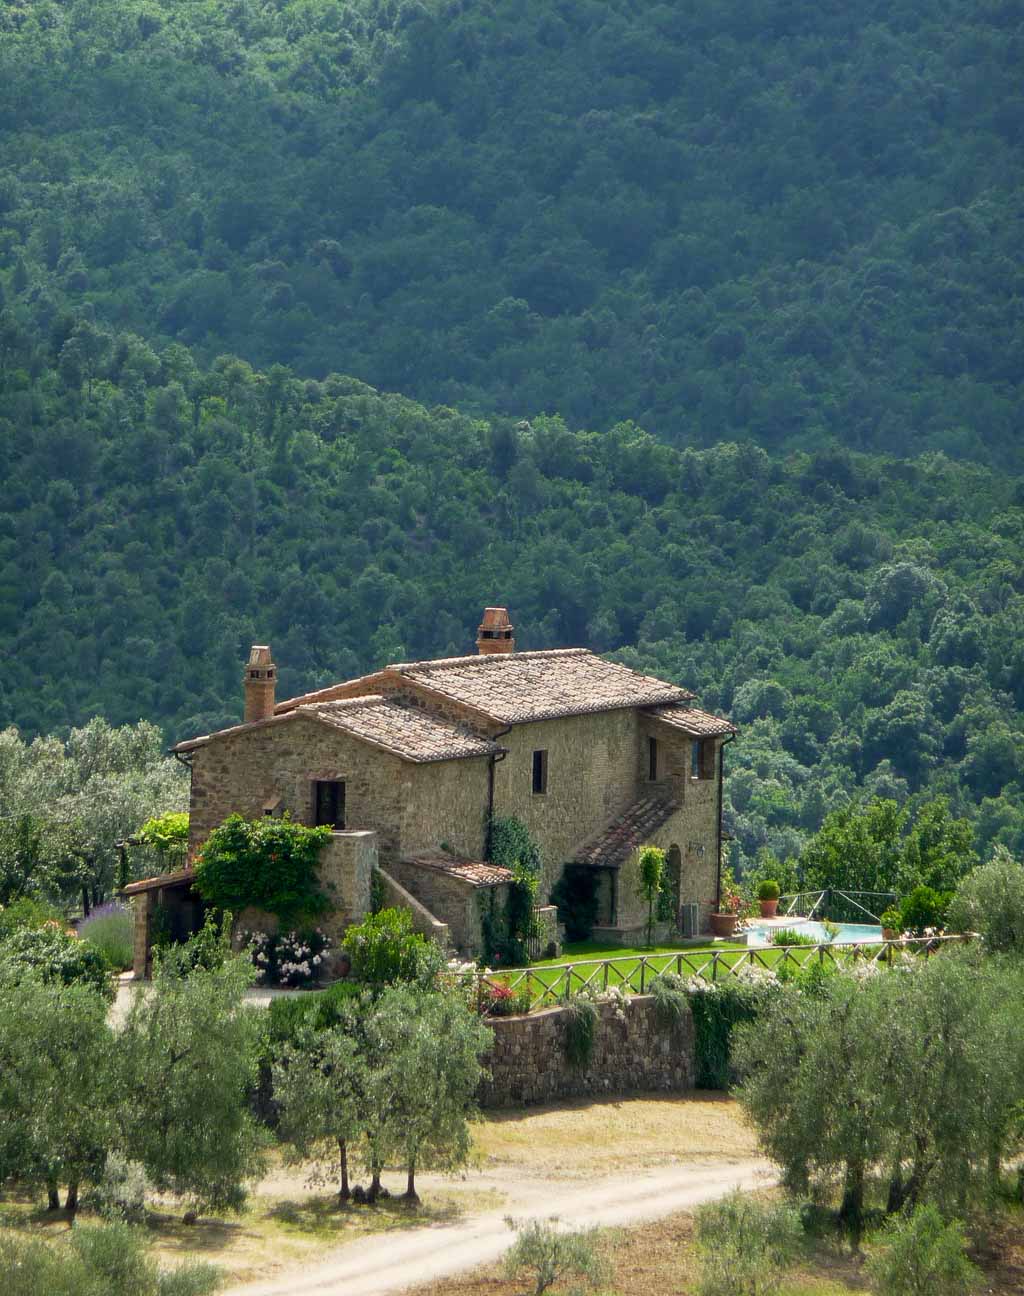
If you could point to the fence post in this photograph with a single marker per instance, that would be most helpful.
(714, 966)
(643, 972)
(606, 974)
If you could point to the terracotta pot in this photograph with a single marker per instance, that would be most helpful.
(889, 934)
(723, 924)
(768, 908)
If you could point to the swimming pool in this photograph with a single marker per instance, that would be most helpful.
(849, 933)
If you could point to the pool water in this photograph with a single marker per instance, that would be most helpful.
(849, 933)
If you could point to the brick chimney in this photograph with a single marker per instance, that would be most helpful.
(260, 675)
(495, 633)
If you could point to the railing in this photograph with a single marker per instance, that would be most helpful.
(634, 973)
(832, 902)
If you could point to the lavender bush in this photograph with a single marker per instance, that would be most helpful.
(108, 930)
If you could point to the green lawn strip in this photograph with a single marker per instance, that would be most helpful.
(633, 969)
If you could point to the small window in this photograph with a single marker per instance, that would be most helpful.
(540, 772)
(330, 804)
(652, 759)
(702, 758)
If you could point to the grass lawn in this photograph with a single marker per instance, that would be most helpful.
(549, 980)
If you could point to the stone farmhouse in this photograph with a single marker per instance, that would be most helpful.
(409, 764)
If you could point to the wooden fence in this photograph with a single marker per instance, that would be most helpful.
(634, 973)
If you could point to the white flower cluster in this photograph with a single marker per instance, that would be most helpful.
(258, 944)
(297, 961)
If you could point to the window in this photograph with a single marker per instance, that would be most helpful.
(702, 758)
(329, 804)
(652, 759)
(540, 772)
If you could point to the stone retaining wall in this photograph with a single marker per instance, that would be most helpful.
(633, 1053)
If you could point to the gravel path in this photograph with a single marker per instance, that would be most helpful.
(383, 1264)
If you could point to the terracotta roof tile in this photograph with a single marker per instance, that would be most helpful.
(476, 872)
(181, 878)
(698, 724)
(612, 847)
(408, 732)
(518, 687)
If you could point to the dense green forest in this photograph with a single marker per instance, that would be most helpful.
(783, 221)
(861, 617)
(759, 264)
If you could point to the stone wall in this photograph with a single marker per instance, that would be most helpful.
(592, 777)
(447, 802)
(633, 1053)
(423, 921)
(241, 773)
(454, 899)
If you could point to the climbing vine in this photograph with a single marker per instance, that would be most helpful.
(268, 863)
(506, 934)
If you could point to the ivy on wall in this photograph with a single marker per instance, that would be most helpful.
(506, 930)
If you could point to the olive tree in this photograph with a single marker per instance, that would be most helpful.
(187, 1061)
(745, 1245)
(990, 901)
(56, 1118)
(321, 1084)
(430, 1044)
(805, 1089)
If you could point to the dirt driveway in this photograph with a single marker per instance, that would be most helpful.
(610, 1163)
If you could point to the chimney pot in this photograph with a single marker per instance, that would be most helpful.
(260, 683)
(495, 633)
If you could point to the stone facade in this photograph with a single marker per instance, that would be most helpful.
(461, 903)
(633, 1053)
(428, 786)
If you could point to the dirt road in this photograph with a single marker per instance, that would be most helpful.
(385, 1264)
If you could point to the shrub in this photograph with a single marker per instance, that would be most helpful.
(26, 912)
(892, 919)
(990, 901)
(121, 1191)
(269, 863)
(768, 890)
(96, 1260)
(717, 1010)
(745, 1245)
(384, 949)
(580, 1029)
(547, 1255)
(108, 930)
(498, 1000)
(320, 1009)
(922, 1255)
(671, 1003)
(166, 831)
(59, 955)
(924, 908)
(790, 936)
(292, 958)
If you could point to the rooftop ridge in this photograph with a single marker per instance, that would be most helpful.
(346, 704)
(485, 660)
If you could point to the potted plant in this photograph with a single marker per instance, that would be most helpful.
(723, 923)
(768, 897)
(892, 924)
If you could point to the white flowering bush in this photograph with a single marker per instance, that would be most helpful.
(291, 959)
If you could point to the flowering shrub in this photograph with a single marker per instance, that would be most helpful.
(730, 899)
(289, 959)
(499, 1000)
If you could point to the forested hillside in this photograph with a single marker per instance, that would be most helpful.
(785, 221)
(861, 617)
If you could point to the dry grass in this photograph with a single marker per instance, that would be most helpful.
(659, 1259)
(584, 1140)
